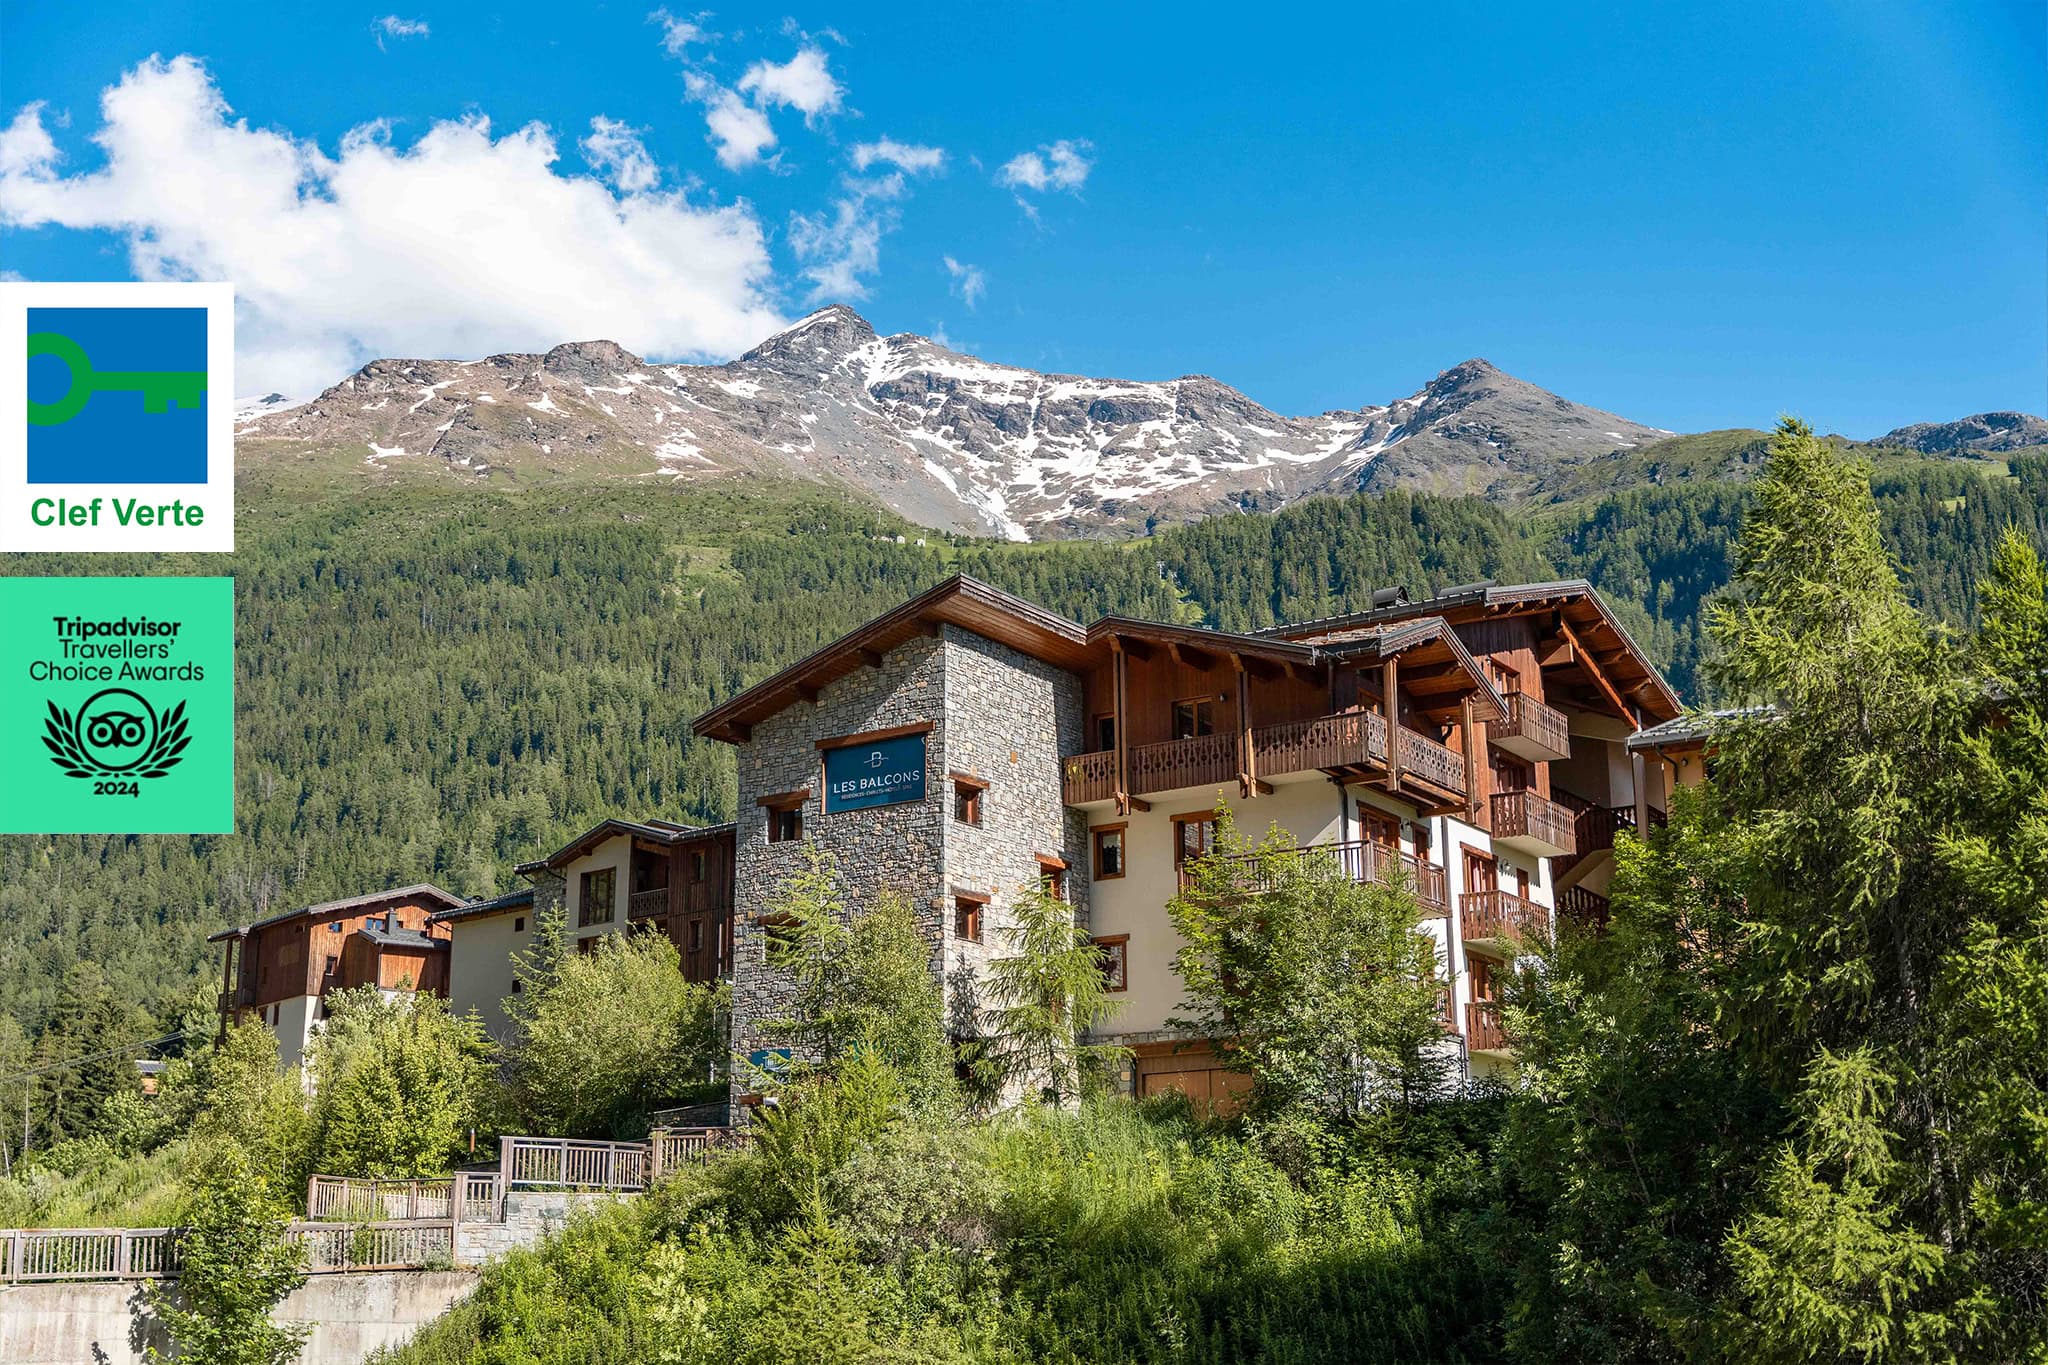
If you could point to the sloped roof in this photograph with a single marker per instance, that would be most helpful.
(417, 891)
(661, 832)
(491, 905)
(400, 938)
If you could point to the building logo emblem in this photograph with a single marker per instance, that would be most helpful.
(117, 733)
(877, 759)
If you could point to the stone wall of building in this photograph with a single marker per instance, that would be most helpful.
(1009, 720)
(883, 849)
(997, 715)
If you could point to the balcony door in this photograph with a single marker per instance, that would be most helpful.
(1378, 827)
(1481, 872)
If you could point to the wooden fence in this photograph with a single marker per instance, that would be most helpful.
(334, 1198)
(573, 1163)
(30, 1255)
(674, 1148)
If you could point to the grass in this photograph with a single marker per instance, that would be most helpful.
(118, 1192)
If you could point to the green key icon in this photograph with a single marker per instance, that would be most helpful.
(160, 389)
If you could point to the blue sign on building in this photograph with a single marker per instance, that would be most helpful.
(883, 773)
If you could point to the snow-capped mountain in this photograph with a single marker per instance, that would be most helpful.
(944, 439)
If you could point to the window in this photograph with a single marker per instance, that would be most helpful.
(785, 824)
(1481, 874)
(336, 927)
(1506, 680)
(967, 798)
(596, 896)
(1109, 852)
(587, 946)
(1194, 718)
(1522, 882)
(1052, 876)
(696, 935)
(699, 862)
(1105, 732)
(518, 986)
(333, 962)
(1194, 835)
(1115, 961)
(519, 924)
(1379, 827)
(967, 910)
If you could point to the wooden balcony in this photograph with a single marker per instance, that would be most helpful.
(1362, 860)
(1587, 908)
(1593, 830)
(1483, 1032)
(1532, 824)
(1532, 730)
(1489, 918)
(1350, 741)
(647, 904)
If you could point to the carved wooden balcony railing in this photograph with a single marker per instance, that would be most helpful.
(1532, 730)
(1355, 739)
(1432, 762)
(1090, 777)
(1594, 828)
(1485, 916)
(1532, 823)
(1204, 761)
(642, 904)
(1362, 860)
(1585, 907)
(1483, 1032)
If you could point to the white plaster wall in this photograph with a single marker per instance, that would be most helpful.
(1135, 904)
(480, 965)
(615, 853)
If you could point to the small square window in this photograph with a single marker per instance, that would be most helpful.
(1115, 961)
(785, 824)
(1194, 718)
(1052, 879)
(519, 924)
(1109, 852)
(967, 919)
(967, 802)
(518, 986)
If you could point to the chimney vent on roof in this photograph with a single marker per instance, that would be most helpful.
(1389, 597)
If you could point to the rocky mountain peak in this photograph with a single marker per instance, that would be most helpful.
(1985, 432)
(826, 336)
(590, 362)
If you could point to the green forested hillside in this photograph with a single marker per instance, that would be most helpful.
(436, 685)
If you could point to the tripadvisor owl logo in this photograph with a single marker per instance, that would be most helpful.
(116, 735)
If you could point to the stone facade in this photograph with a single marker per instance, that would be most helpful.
(997, 716)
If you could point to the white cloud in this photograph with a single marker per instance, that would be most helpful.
(614, 151)
(969, 281)
(458, 245)
(802, 83)
(391, 26)
(837, 250)
(1062, 165)
(677, 34)
(739, 133)
(25, 144)
(903, 155)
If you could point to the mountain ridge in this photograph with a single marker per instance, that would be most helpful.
(948, 440)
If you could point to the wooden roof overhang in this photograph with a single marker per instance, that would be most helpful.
(1437, 672)
(656, 836)
(347, 905)
(1584, 650)
(960, 601)
(1191, 645)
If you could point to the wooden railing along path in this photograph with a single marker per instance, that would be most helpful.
(31, 1255)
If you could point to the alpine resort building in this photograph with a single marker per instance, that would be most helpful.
(970, 745)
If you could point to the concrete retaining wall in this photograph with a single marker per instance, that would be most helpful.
(84, 1324)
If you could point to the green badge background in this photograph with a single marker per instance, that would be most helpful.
(195, 797)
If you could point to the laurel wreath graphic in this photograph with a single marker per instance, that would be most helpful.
(165, 752)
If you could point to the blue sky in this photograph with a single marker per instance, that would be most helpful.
(1830, 209)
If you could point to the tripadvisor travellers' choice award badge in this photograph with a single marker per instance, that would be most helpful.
(116, 705)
